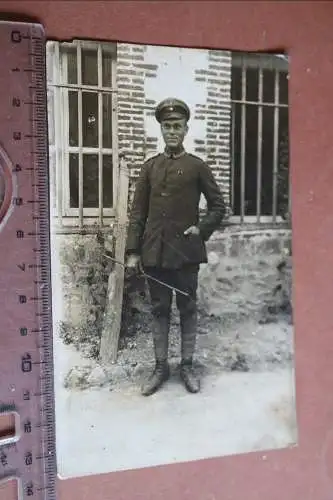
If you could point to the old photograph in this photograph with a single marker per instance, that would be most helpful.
(171, 254)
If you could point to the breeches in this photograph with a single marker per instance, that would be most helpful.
(186, 281)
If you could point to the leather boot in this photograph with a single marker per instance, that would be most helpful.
(160, 374)
(161, 371)
(188, 323)
(191, 382)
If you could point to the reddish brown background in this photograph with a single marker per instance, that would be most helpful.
(305, 30)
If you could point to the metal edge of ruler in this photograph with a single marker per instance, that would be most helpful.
(44, 466)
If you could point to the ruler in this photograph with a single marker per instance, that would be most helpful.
(26, 357)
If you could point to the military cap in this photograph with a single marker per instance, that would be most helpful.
(172, 108)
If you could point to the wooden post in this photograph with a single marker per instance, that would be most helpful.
(113, 310)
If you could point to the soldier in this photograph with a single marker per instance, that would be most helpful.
(167, 239)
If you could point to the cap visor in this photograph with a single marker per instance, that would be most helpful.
(172, 116)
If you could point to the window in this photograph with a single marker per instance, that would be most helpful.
(259, 138)
(83, 130)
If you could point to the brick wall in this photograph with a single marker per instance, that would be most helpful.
(215, 114)
(133, 105)
(219, 123)
(148, 74)
(130, 82)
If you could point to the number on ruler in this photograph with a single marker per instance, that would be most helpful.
(26, 395)
(28, 458)
(17, 136)
(16, 102)
(18, 201)
(16, 36)
(23, 331)
(17, 168)
(26, 364)
(20, 234)
(29, 489)
(22, 299)
(27, 427)
(3, 459)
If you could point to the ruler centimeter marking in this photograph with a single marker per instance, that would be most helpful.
(26, 344)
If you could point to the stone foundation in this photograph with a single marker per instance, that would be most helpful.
(230, 243)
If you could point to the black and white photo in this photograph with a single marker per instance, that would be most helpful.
(171, 254)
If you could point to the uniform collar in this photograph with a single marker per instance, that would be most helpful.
(176, 154)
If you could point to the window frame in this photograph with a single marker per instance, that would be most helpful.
(61, 148)
(259, 62)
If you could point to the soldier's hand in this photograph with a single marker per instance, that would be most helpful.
(133, 263)
(192, 230)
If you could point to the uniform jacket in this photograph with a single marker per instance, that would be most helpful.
(165, 204)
